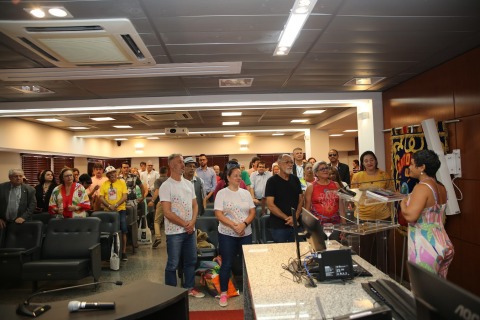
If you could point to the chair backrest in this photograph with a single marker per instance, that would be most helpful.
(42, 216)
(264, 226)
(209, 212)
(24, 235)
(71, 238)
(2, 236)
(210, 226)
(110, 221)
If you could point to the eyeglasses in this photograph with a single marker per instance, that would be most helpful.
(67, 175)
(232, 164)
(332, 154)
(323, 169)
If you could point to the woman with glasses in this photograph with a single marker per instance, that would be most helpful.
(223, 182)
(44, 189)
(321, 198)
(69, 199)
(235, 210)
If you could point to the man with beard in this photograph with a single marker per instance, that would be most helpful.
(283, 192)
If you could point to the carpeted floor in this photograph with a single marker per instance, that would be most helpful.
(217, 315)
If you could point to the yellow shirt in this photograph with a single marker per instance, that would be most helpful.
(362, 180)
(113, 192)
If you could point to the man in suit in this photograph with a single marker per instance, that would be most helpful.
(343, 169)
(17, 200)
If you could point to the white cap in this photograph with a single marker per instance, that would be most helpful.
(110, 169)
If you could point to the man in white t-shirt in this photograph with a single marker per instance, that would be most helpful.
(180, 209)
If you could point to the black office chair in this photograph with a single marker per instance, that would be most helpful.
(44, 217)
(266, 236)
(209, 212)
(109, 229)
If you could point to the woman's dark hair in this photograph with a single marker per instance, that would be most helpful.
(356, 161)
(366, 153)
(428, 158)
(337, 176)
(41, 179)
(60, 176)
(227, 171)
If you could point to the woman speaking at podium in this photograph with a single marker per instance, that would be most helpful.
(428, 243)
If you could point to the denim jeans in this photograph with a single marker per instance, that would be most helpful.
(182, 245)
(123, 221)
(229, 247)
(280, 235)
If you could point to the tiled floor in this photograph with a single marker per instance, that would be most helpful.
(146, 263)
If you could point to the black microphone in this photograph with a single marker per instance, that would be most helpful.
(26, 309)
(74, 306)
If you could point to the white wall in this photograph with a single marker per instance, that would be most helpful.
(10, 160)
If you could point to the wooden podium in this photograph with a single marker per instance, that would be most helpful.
(140, 300)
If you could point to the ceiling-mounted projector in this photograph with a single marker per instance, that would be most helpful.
(176, 131)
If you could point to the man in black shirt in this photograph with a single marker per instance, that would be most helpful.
(283, 192)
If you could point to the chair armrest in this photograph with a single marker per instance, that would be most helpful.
(96, 260)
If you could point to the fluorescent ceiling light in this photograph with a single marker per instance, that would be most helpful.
(153, 138)
(314, 111)
(120, 139)
(123, 127)
(230, 123)
(336, 135)
(49, 120)
(298, 16)
(33, 89)
(231, 114)
(299, 120)
(78, 128)
(159, 70)
(228, 135)
(103, 119)
(364, 81)
(278, 134)
(235, 83)
(350, 130)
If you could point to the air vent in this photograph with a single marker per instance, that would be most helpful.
(81, 43)
(163, 116)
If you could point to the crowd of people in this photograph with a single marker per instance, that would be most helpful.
(237, 197)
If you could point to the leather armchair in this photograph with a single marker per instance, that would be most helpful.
(70, 251)
(21, 244)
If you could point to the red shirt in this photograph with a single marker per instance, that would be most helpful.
(325, 202)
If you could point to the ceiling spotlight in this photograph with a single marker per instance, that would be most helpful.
(58, 12)
(37, 13)
(314, 111)
(336, 135)
(231, 114)
(299, 120)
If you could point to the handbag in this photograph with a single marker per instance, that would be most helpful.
(144, 232)
(114, 258)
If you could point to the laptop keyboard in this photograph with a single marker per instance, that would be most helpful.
(359, 271)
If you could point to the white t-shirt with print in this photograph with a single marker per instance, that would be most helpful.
(236, 206)
(180, 194)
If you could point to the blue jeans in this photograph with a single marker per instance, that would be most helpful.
(123, 221)
(182, 245)
(229, 247)
(280, 235)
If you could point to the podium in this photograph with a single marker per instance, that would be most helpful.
(139, 300)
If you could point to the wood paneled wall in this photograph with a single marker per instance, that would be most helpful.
(449, 91)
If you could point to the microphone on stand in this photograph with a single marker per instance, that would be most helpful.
(26, 309)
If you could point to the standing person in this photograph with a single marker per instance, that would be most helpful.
(189, 174)
(17, 199)
(155, 202)
(113, 195)
(253, 165)
(85, 180)
(312, 160)
(322, 199)
(259, 181)
(132, 181)
(308, 176)
(428, 243)
(299, 164)
(43, 190)
(69, 198)
(235, 211)
(208, 176)
(148, 178)
(217, 172)
(180, 209)
(223, 182)
(283, 192)
(143, 167)
(343, 169)
(97, 180)
(275, 168)
(372, 247)
(76, 174)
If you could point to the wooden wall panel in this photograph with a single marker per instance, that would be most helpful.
(466, 84)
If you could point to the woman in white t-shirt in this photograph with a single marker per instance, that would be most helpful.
(235, 210)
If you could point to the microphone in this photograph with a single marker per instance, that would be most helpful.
(26, 309)
(74, 306)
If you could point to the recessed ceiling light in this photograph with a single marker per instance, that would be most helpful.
(37, 12)
(31, 89)
(41, 12)
(350, 130)
(228, 135)
(231, 123)
(314, 111)
(103, 119)
(364, 81)
(231, 114)
(299, 120)
(120, 139)
(153, 138)
(235, 83)
(123, 127)
(49, 120)
(278, 134)
(78, 128)
(58, 12)
(336, 135)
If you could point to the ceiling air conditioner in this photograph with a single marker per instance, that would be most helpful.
(176, 131)
(162, 116)
(81, 43)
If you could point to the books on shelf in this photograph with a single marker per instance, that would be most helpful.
(385, 195)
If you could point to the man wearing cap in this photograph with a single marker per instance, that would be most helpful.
(189, 174)
(113, 195)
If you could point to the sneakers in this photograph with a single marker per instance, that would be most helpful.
(223, 300)
(156, 243)
(195, 293)
(124, 257)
